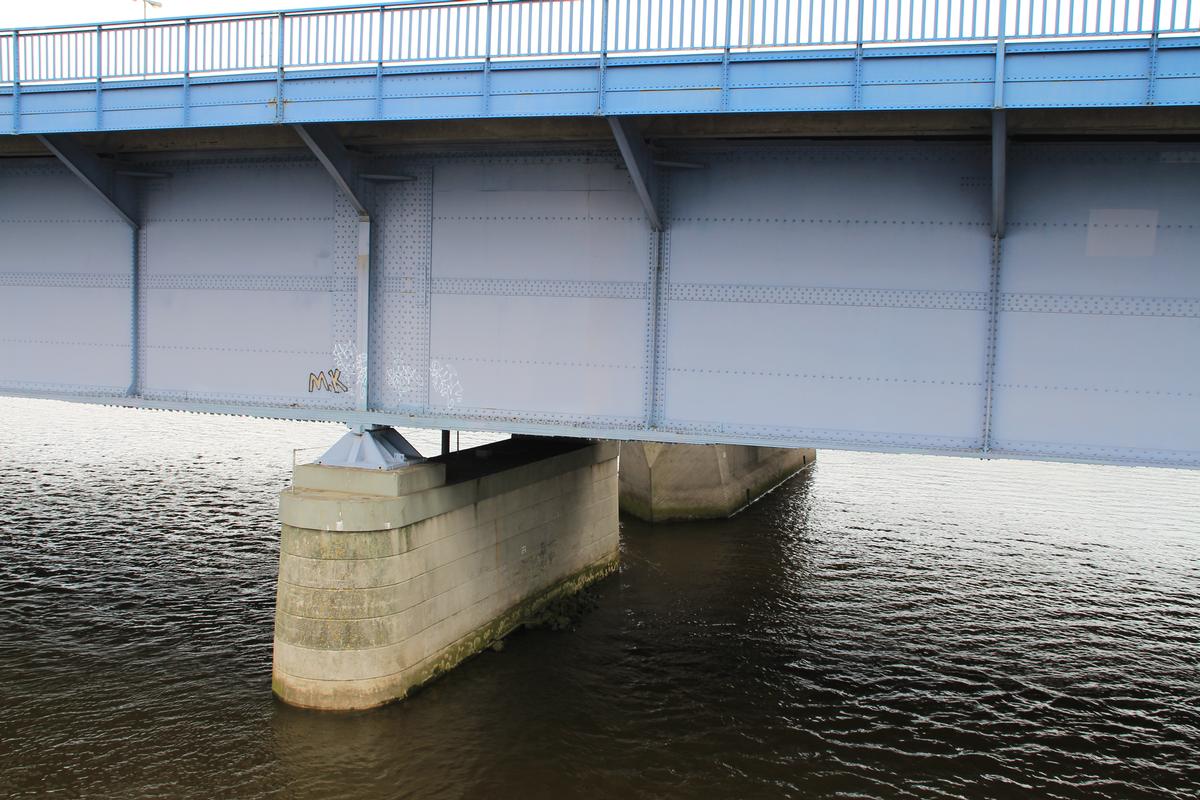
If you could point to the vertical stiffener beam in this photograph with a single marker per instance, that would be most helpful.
(640, 165)
(999, 171)
(119, 194)
(999, 200)
(643, 173)
(341, 166)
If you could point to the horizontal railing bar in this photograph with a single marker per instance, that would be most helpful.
(422, 31)
(410, 4)
(236, 16)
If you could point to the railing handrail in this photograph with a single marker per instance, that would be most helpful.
(344, 35)
(235, 15)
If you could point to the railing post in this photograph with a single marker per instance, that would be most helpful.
(16, 64)
(725, 55)
(998, 95)
(487, 62)
(99, 75)
(279, 73)
(858, 57)
(379, 67)
(1152, 72)
(603, 55)
(187, 72)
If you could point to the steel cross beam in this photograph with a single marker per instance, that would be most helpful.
(337, 161)
(341, 166)
(640, 164)
(116, 190)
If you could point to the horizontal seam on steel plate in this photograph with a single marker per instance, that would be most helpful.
(536, 218)
(71, 389)
(65, 280)
(802, 295)
(532, 363)
(534, 418)
(1075, 76)
(256, 350)
(283, 283)
(844, 221)
(1090, 304)
(112, 221)
(817, 376)
(1098, 389)
(826, 435)
(255, 220)
(1122, 225)
(124, 344)
(1149, 455)
(345, 401)
(615, 290)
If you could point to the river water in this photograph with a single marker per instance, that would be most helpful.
(883, 627)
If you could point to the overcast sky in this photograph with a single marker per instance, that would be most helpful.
(25, 13)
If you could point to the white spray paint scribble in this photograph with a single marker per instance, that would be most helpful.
(353, 365)
(443, 380)
(444, 384)
(401, 379)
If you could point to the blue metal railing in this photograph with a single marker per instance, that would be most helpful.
(471, 30)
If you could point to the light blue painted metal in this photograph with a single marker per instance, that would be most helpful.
(640, 165)
(118, 192)
(563, 242)
(503, 58)
(366, 35)
(999, 171)
(371, 448)
(1108, 76)
(822, 248)
(65, 285)
(250, 285)
(1100, 303)
(337, 161)
(99, 176)
(343, 168)
(999, 221)
(834, 295)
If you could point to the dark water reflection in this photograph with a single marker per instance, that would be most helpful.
(887, 627)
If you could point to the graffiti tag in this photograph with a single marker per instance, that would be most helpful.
(330, 381)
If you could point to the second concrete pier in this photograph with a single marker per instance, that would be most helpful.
(661, 482)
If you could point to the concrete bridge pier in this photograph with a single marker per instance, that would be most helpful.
(662, 482)
(393, 568)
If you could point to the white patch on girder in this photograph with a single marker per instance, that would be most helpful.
(1122, 232)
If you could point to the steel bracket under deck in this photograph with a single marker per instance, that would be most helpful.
(640, 163)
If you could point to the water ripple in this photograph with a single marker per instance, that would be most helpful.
(886, 627)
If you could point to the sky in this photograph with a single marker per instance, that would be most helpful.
(26, 13)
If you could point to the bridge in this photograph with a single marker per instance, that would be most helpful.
(963, 227)
(617, 219)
